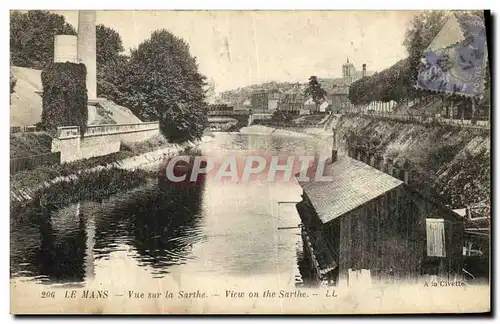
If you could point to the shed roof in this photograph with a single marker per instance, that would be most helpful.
(354, 184)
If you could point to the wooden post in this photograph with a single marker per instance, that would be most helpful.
(473, 107)
(334, 138)
(372, 160)
(489, 111)
(451, 109)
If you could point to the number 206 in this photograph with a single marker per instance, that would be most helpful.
(48, 294)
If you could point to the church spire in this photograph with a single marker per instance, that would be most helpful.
(348, 60)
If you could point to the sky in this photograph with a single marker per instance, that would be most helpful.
(240, 48)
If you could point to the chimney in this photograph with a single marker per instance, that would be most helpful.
(334, 155)
(364, 70)
(86, 48)
(334, 146)
(380, 164)
(372, 160)
(406, 176)
(65, 49)
(395, 172)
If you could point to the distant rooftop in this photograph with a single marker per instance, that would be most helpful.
(354, 184)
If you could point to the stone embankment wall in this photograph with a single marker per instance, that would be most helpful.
(99, 139)
(455, 161)
(144, 161)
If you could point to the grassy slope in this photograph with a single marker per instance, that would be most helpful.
(28, 144)
(454, 161)
(35, 177)
(26, 103)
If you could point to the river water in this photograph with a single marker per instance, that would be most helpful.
(221, 229)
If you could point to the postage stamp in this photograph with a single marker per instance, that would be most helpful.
(249, 162)
(456, 65)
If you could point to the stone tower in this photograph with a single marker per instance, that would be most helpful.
(348, 71)
(86, 49)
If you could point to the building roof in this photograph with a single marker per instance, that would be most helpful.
(340, 90)
(218, 119)
(354, 184)
(293, 98)
(328, 83)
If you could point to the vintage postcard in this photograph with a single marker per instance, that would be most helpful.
(250, 162)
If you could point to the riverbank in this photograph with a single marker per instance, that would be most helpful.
(266, 130)
(31, 185)
(319, 132)
(453, 161)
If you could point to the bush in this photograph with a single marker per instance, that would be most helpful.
(13, 82)
(32, 37)
(149, 145)
(28, 144)
(93, 186)
(64, 96)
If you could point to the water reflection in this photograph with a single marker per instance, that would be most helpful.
(159, 223)
(216, 228)
(49, 247)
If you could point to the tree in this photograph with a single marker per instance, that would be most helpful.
(397, 82)
(112, 66)
(110, 76)
(13, 82)
(32, 37)
(109, 45)
(315, 91)
(423, 29)
(161, 82)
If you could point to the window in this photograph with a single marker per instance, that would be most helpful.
(435, 237)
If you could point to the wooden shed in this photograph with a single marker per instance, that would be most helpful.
(368, 223)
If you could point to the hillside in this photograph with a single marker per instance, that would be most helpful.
(454, 162)
(26, 103)
(241, 94)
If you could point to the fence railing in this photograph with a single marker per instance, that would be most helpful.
(227, 113)
(426, 119)
(30, 162)
(93, 130)
(24, 129)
